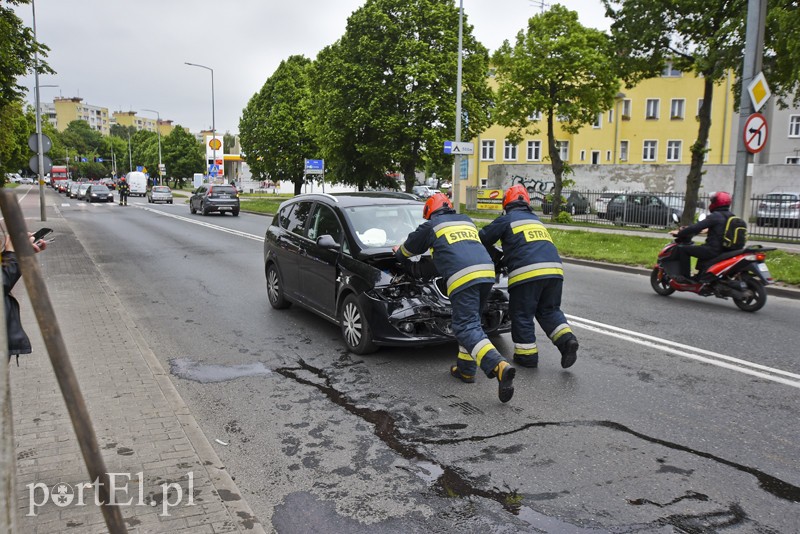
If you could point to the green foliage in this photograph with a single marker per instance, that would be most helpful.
(144, 146)
(183, 155)
(123, 132)
(782, 53)
(14, 152)
(18, 53)
(273, 131)
(561, 69)
(564, 218)
(384, 94)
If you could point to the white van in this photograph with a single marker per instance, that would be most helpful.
(137, 183)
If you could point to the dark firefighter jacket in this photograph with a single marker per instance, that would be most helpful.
(18, 342)
(528, 251)
(715, 222)
(457, 252)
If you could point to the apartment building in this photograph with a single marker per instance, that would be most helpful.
(654, 122)
(130, 118)
(68, 109)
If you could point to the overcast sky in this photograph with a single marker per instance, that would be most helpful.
(129, 55)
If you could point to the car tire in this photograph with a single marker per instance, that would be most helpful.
(356, 332)
(275, 289)
(235, 213)
(192, 209)
(204, 209)
(169, 201)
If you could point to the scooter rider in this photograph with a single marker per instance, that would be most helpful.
(468, 269)
(719, 208)
(535, 279)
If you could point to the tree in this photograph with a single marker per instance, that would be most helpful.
(782, 54)
(384, 95)
(14, 152)
(560, 69)
(121, 131)
(17, 58)
(273, 125)
(701, 36)
(182, 155)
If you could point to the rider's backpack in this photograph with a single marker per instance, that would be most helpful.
(735, 234)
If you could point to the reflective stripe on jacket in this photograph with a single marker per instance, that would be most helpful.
(457, 251)
(528, 249)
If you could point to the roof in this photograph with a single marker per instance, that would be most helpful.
(361, 198)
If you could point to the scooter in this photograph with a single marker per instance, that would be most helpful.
(739, 274)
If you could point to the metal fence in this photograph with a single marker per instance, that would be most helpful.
(771, 217)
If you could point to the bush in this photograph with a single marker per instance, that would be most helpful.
(564, 218)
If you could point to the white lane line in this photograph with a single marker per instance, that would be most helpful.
(201, 223)
(687, 351)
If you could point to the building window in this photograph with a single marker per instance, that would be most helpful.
(563, 150)
(652, 108)
(535, 116)
(793, 160)
(608, 155)
(626, 109)
(676, 108)
(598, 121)
(794, 126)
(509, 151)
(673, 150)
(649, 150)
(623, 151)
(610, 116)
(534, 150)
(583, 155)
(670, 71)
(595, 157)
(484, 182)
(487, 150)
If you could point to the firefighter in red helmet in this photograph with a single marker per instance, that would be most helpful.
(470, 274)
(535, 279)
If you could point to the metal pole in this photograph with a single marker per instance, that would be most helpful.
(213, 121)
(130, 154)
(457, 162)
(158, 129)
(754, 46)
(38, 120)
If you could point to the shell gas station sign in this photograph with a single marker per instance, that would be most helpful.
(490, 199)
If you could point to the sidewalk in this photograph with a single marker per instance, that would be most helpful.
(141, 422)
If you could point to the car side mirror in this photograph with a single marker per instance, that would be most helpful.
(327, 242)
(675, 218)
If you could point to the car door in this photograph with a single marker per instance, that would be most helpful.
(654, 211)
(319, 264)
(194, 201)
(291, 247)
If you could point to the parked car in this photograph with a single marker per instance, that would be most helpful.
(601, 204)
(779, 209)
(13, 177)
(573, 204)
(98, 193)
(640, 208)
(159, 193)
(332, 254)
(422, 191)
(26, 180)
(214, 197)
(80, 193)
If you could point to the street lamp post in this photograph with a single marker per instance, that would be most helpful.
(213, 123)
(158, 128)
(457, 163)
(40, 151)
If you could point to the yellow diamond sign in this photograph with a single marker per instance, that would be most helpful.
(759, 91)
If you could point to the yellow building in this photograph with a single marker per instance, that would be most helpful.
(130, 118)
(652, 123)
(73, 109)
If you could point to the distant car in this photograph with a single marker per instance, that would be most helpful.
(214, 197)
(779, 209)
(98, 193)
(108, 182)
(13, 177)
(574, 203)
(73, 189)
(62, 186)
(80, 194)
(159, 193)
(422, 191)
(640, 208)
(602, 201)
(25, 180)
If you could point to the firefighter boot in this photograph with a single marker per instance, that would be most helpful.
(505, 380)
(569, 353)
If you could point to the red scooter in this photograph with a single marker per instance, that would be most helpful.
(739, 274)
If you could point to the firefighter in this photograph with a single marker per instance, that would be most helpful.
(466, 266)
(535, 279)
(122, 189)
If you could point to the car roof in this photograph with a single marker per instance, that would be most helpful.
(360, 198)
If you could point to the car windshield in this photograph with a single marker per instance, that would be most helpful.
(384, 226)
(99, 189)
(161, 189)
(672, 202)
(83, 187)
(781, 198)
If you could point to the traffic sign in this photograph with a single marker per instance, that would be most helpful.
(759, 91)
(315, 166)
(755, 133)
(33, 143)
(454, 148)
(33, 163)
(213, 169)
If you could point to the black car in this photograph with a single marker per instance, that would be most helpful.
(573, 204)
(641, 208)
(332, 254)
(215, 197)
(98, 193)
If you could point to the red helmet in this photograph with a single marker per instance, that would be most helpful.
(720, 199)
(516, 193)
(434, 203)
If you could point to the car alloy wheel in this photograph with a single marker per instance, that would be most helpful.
(275, 289)
(355, 328)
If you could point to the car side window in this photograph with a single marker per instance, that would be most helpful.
(283, 217)
(298, 218)
(325, 222)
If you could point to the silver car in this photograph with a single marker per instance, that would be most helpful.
(159, 193)
(779, 209)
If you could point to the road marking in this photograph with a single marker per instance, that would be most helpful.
(201, 223)
(687, 351)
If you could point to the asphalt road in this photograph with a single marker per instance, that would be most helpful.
(680, 415)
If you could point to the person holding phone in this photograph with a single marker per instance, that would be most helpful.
(18, 341)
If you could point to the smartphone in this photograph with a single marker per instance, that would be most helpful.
(41, 233)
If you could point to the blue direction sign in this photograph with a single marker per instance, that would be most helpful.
(315, 166)
(457, 149)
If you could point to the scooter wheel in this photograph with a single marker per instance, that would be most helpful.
(660, 282)
(757, 298)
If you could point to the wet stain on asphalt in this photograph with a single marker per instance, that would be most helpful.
(228, 496)
(125, 451)
(209, 373)
(692, 495)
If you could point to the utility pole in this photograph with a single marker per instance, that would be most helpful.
(457, 163)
